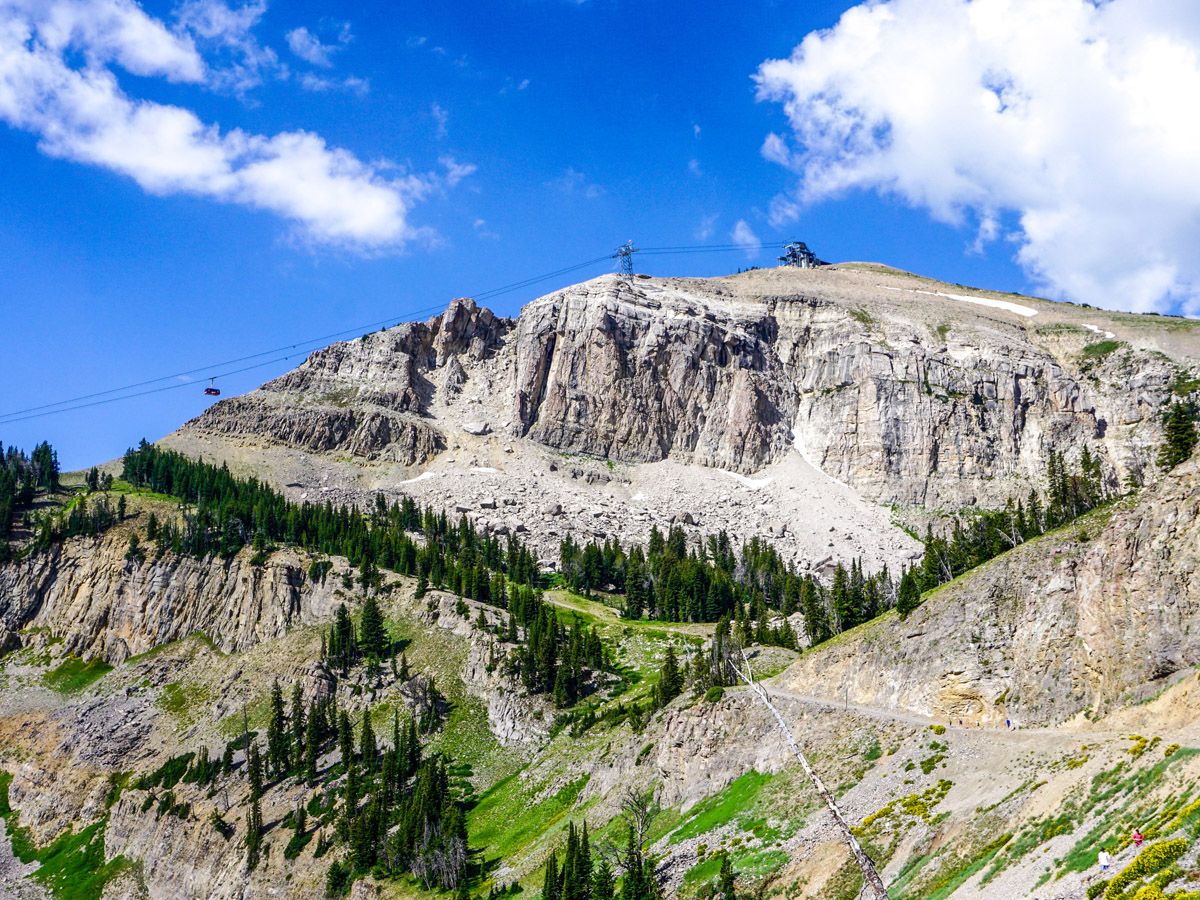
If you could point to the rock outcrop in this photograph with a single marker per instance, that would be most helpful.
(1080, 621)
(103, 605)
(907, 390)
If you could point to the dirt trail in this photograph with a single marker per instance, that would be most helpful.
(1015, 736)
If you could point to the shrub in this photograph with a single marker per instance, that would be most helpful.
(713, 694)
(1149, 862)
(938, 729)
(298, 842)
(1096, 889)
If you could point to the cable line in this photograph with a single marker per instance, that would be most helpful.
(208, 371)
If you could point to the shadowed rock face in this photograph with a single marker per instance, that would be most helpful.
(911, 398)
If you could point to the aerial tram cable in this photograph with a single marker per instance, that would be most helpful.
(100, 398)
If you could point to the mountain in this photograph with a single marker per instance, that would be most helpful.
(1040, 703)
(754, 403)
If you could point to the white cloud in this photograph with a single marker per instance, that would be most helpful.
(575, 183)
(320, 84)
(482, 229)
(306, 45)
(1072, 120)
(441, 118)
(705, 229)
(456, 171)
(743, 235)
(237, 60)
(775, 149)
(696, 131)
(104, 32)
(694, 167)
(80, 113)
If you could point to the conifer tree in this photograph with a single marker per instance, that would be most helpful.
(670, 680)
(368, 750)
(551, 882)
(372, 636)
(278, 756)
(725, 886)
(345, 739)
(602, 881)
(1179, 434)
(254, 814)
(908, 597)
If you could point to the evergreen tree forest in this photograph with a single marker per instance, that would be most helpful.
(984, 535)
(672, 581)
(230, 512)
(22, 477)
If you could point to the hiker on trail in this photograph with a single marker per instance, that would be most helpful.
(1008, 723)
(1105, 860)
(1137, 838)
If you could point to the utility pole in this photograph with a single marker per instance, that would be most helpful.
(873, 884)
(624, 256)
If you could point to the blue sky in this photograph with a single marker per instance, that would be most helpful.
(497, 140)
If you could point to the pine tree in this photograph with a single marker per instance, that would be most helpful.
(670, 679)
(372, 636)
(908, 597)
(603, 885)
(1179, 434)
(633, 884)
(254, 825)
(725, 888)
(345, 739)
(253, 834)
(278, 756)
(368, 750)
(551, 882)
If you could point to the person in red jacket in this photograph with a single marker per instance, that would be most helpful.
(1137, 838)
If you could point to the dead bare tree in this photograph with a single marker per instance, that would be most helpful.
(873, 882)
(638, 811)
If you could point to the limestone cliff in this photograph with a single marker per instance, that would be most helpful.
(909, 391)
(104, 605)
(1082, 620)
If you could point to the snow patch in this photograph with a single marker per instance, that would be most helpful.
(422, 477)
(1026, 311)
(484, 470)
(1108, 335)
(753, 483)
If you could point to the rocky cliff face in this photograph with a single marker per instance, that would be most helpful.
(907, 390)
(103, 605)
(1083, 620)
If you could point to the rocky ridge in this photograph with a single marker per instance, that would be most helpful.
(850, 387)
(1081, 621)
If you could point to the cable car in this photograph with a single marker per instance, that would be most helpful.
(212, 390)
